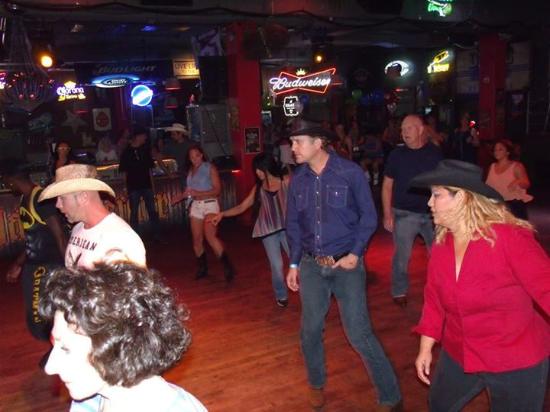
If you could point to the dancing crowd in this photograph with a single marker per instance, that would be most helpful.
(116, 327)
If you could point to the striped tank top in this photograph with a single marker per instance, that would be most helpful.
(272, 213)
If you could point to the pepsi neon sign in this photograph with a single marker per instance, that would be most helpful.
(141, 95)
(112, 81)
(318, 82)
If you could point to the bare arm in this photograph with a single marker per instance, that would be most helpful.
(16, 267)
(241, 207)
(522, 180)
(387, 193)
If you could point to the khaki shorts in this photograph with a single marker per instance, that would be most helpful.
(200, 208)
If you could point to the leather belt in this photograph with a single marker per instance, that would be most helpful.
(206, 200)
(327, 260)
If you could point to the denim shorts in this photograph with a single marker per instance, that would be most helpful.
(200, 208)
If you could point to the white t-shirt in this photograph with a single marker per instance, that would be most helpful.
(109, 241)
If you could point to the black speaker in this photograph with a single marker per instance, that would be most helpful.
(213, 72)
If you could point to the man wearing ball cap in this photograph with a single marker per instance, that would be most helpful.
(98, 235)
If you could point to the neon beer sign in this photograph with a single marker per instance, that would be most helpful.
(440, 63)
(70, 91)
(318, 82)
(442, 7)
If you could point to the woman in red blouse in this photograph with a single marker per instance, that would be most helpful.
(487, 292)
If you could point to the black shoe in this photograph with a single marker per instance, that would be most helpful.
(202, 270)
(283, 303)
(228, 269)
(400, 301)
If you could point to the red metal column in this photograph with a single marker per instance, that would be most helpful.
(244, 90)
(492, 86)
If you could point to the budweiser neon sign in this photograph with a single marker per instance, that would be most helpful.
(317, 82)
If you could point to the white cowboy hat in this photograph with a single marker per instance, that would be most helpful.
(75, 178)
(177, 127)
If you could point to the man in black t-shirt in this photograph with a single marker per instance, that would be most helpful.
(45, 243)
(136, 161)
(406, 212)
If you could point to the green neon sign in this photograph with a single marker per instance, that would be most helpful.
(442, 7)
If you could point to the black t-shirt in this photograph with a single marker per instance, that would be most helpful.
(40, 243)
(137, 163)
(403, 164)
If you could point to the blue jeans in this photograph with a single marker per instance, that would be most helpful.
(317, 284)
(520, 390)
(272, 244)
(406, 225)
(149, 199)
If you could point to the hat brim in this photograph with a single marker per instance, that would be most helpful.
(445, 178)
(315, 131)
(75, 185)
(175, 129)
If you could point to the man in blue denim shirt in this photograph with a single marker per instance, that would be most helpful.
(330, 218)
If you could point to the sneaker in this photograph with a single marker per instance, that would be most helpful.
(282, 303)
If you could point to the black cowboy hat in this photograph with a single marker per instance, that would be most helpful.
(315, 131)
(459, 174)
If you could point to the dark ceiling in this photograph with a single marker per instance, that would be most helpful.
(97, 30)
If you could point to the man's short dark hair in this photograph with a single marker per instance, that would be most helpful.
(138, 130)
(128, 312)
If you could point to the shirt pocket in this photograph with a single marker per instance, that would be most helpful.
(302, 200)
(337, 195)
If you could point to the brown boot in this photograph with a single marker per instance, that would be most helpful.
(202, 266)
(316, 398)
(228, 269)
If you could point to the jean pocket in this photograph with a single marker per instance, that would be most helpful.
(301, 200)
(337, 195)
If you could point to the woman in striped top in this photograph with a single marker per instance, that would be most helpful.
(268, 199)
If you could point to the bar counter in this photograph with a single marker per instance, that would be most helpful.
(165, 187)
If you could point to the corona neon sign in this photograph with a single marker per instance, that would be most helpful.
(70, 91)
(440, 63)
(318, 82)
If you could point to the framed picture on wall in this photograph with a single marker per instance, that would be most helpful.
(252, 139)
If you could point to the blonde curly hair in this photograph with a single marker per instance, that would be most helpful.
(476, 214)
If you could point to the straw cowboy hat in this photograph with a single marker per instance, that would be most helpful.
(75, 178)
(459, 174)
(177, 127)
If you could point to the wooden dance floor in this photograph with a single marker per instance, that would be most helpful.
(245, 354)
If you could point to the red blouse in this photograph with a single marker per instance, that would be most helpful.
(486, 320)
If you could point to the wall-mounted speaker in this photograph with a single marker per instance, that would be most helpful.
(213, 72)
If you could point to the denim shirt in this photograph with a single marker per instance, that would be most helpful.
(330, 213)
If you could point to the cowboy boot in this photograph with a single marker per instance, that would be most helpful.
(202, 270)
(228, 269)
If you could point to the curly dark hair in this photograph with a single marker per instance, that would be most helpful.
(131, 316)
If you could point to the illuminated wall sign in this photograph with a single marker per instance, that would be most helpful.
(3, 76)
(111, 81)
(401, 66)
(186, 69)
(442, 7)
(440, 63)
(314, 83)
(291, 106)
(141, 95)
(70, 91)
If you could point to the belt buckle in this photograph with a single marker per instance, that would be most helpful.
(324, 260)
